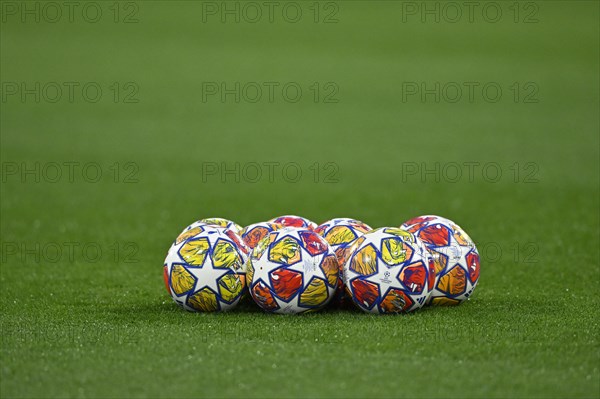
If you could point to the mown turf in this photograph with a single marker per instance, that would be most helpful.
(103, 326)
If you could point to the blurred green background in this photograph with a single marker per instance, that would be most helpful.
(377, 133)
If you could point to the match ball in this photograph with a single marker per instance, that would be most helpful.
(205, 272)
(389, 270)
(339, 233)
(455, 257)
(197, 228)
(253, 233)
(292, 270)
(223, 223)
(294, 221)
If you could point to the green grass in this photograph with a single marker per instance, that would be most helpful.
(106, 328)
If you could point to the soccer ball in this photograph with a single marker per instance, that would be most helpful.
(294, 221)
(253, 233)
(455, 258)
(339, 233)
(292, 270)
(198, 226)
(205, 272)
(223, 223)
(389, 270)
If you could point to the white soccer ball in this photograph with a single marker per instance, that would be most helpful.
(292, 270)
(205, 272)
(388, 270)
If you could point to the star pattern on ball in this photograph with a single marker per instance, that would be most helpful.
(285, 307)
(386, 278)
(348, 275)
(207, 276)
(262, 271)
(456, 253)
(311, 270)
